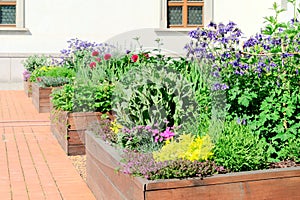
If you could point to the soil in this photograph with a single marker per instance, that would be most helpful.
(284, 164)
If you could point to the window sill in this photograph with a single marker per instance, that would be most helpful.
(182, 30)
(14, 31)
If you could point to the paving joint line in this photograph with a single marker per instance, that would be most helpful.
(21, 166)
(23, 123)
(8, 171)
(35, 166)
(48, 166)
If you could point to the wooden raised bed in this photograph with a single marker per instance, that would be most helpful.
(27, 88)
(106, 183)
(41, 98)
(69, 129)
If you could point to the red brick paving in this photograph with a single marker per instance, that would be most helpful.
(32, 164)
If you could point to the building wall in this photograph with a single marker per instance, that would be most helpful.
(51, 23)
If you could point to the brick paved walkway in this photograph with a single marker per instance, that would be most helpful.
(32, 164)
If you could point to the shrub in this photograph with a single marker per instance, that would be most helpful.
(62, 98)
(35, 61)
(290, 150)
(257, 80)
(152, 94)
(52, 71)
(239, 149)
(83, 97)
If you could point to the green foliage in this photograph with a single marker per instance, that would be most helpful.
(35, 61)
(52, 71)
(257, 81)
(137, 139)
(46, 81)
(291, 150)
(83, 97)
(62, 98)
(38, 73)
(239, 149)
(92, 97)
(152, 94)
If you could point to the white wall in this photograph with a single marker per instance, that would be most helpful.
(52, 22)
(249, 15)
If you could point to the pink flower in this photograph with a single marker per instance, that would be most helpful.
(92, 65)
(39, 79)
(167, 133)
(107, 56)
(95, 53)
(98, 60)
(134, 57)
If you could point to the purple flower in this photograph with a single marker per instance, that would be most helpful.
(293, 21)
(273, 65)
(230, 26)
(194, 34)
(276, 41)
(285, 55)
(212, 25)
(243, 121)
(219, 86)
(216, 74)
(250, 42)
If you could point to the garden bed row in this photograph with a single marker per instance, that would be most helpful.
(106, 183)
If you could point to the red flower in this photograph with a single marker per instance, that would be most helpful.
(92, 65)
(134, 57)
(98, 60)
(107, 56)
(39, 79)
(146, 55)
(95, 53)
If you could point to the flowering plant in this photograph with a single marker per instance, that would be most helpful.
(244, 94)
(34, 62)
(258, 78)
(79, 53)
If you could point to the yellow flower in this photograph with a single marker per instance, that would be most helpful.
(185, 147)
(115, 127)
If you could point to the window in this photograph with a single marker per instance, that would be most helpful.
(12, 17)
(7, 13)
(185, 13)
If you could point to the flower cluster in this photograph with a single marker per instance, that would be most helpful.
(143, 164)
(145, 138)
(98, 59)
(81, 53)
(26, 75)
